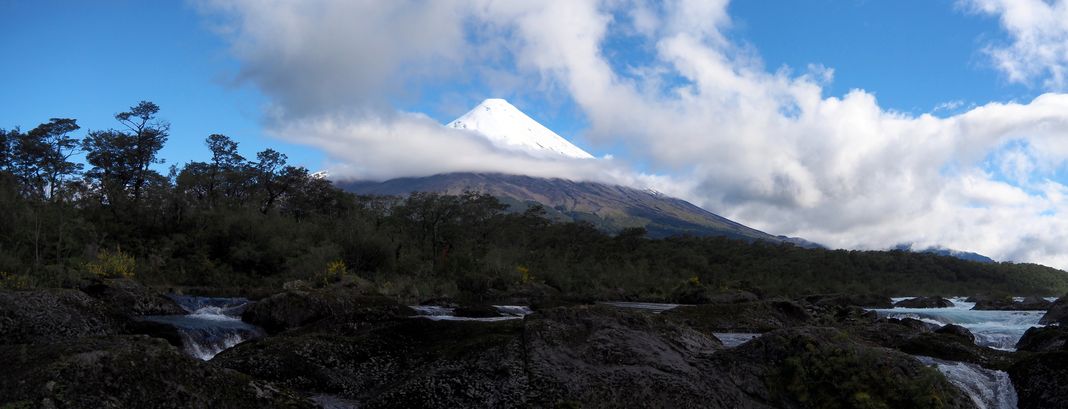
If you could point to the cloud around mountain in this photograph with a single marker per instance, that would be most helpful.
(704, 117)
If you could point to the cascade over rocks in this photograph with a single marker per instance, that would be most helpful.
(810, 367)
(126, 371)
(594, 356)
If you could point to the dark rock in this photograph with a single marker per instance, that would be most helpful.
(293, 309)
(1040, 380)
(1044, 339)
(126, 372)
(952, 347)
(477, 311)
(811, 367)
(1007, 304)
(1057, 313)
(604, 357)
(132, 298)
(850, 300)
(161, 330)
(51, 315)
(957, 330)
(758, 316)
(699, 294)
(408, 363)
(441, 302)
(890, 332)
(924, 302)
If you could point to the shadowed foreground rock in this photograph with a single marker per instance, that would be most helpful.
(126, 372)
(54, 315)
(1044, 339)
(1057, 313)
(132, 298)
(586, 356)
(1041, 380)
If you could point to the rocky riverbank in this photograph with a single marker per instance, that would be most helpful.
(346, 346)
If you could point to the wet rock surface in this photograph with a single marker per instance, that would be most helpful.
(1057, 313)
(924, 302)
(1008, 304)
(1044, 339)
(1040, 380)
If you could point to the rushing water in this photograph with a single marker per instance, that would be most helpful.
(733, 339)
(653, 307)
(212, 325)
(438, 313)
(995, 329)
(989, 389)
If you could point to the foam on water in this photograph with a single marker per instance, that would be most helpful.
(988, 389)
(438, 313)
(995, 329)
(212, 325)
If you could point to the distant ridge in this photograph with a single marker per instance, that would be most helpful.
(610, 208)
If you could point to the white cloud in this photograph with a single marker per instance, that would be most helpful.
(765, 148)
(1039, 39)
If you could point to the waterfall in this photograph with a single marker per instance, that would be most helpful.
(989, 389)
(211, 326)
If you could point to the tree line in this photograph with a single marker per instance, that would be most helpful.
(233, 221)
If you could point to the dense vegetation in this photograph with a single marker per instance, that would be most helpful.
(233, 221)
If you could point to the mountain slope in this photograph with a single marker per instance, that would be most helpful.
(611, 208)
(508, 127)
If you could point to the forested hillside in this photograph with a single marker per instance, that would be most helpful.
(256, 221)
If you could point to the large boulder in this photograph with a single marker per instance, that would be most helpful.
(126, 372)
(131, 298)
(1044, 339)
(602, 357)
(50, 315)
(699, 294)
(850, 300)
(1007, 303)
(811, 367)
(924, 302)
(412, 362)
(957, 330)
(293, 309)
(1040, 380)
(1057, 313)
(758, 316)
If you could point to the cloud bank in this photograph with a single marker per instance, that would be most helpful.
(705, 117)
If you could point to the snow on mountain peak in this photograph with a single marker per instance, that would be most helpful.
(508, 127)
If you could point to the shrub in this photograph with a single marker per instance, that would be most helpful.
(334, 272)
(13, 281)
(112, 264)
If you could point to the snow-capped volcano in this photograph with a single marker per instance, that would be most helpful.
(508, 127)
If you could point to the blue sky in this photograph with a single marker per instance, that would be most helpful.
(88, 60)
(944, 123)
